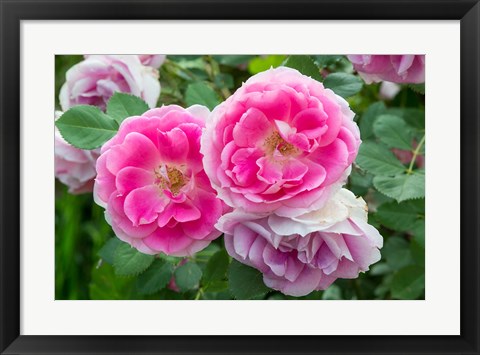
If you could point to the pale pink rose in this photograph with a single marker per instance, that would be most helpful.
(394, 68)
(281, 143)
(94, 80)
(152, 60)
(152, 183)
(74, 167)
(306, 253)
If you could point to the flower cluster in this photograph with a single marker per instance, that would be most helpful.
(278, 152)
(266, 168)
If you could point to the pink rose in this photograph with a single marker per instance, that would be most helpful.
(394, 68)
(152, 183)
(94, 80)
(281, 143)
(152, 60)
(306, 253)
(74, 167)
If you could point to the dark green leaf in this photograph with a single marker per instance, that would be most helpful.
(232, 60)
(408, 283)
(378, 160)
(334, 292)
(224, 81)
(305, 65)
(414, 117)
(201, 94)
(105, 285)
(129, 261)
(107, 252)
(343, 84)
(216, 286)
(121, 106)
(369, 117)
(418, 88)
(393, 131)
(245, 282)
(401, 187)
(397, 253)
(401, 216)
(187, 276)
(155, 277)
(86, 127)
(216, 267)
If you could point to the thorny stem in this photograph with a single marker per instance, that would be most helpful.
(415, 154)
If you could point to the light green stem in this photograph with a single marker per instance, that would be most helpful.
(415, 154)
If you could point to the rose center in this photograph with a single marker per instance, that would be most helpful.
(170, 178)
(276, 142)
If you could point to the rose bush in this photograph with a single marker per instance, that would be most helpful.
(152, 183)
(281, 143)
(94, 80)
(394, 68)
(306, 253)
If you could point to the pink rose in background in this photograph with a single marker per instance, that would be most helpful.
(394, 68)
(94, 80)
(281, 143)
(152, 183)
(74, 167)
(152, 60)
(306, 253)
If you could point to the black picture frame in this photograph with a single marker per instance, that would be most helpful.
(14, 11)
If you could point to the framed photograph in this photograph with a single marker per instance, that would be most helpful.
(197, 177)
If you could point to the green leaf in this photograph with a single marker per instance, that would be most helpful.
(397, 253)
(188, 276)
(401, 187)
(105, 285)
(216, 268)
(343, 84)
(121, 106)
(418, 252)
(380, 269)
(86, 127)
(408, 283)
(232, 60)
(216, 286)
(401, 216)
(414, 117)
(223, 80)
(155, 278)
(107, 252)
(359, 183)
(128, 261)
(326, 60)
(393, 131)
(418, 88)
(418, 232)
(305, 65)
(378, 160)
(334, 292)
(260, 64)
(245, 282)
(201, 94)
(369, 117)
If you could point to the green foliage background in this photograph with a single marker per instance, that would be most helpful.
(90, 263)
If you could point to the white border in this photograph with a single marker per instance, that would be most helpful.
(438, 314)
